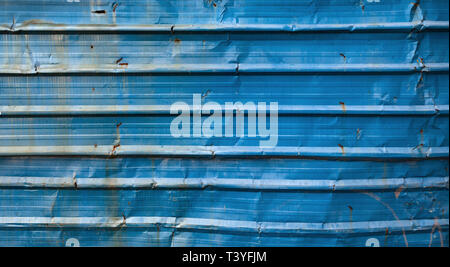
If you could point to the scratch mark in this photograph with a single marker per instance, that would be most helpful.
(388, 207)
(206, 94)
(13, 25)
(358, 133)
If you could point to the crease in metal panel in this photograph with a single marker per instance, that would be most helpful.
(74, 110)
(228, 183)
(399, 26)
(214, 151)
(127, 12)
(198, 224)
(230, 69)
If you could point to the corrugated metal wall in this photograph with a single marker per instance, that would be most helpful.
(86, 155)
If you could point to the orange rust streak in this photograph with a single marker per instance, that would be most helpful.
(438, 226)
(398, 191)
(342, 148)
(343, 106)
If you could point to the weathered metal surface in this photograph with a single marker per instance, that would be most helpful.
(87, 156)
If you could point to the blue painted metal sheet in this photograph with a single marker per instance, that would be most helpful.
(88, 157)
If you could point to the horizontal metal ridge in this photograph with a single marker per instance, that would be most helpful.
(229, 68)
(41, 110)
(387, 26)
(213, 151)
(219, 224)
(229, 183)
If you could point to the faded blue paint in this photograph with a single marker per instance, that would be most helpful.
(363, 141)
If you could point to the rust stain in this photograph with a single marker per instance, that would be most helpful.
(398, 191)
(419, 147)
(342, 148)
(344, 109)
(177, 41)
(421, 62)
(351, 215)
(117, 141)
(386, 233)
(114, 148)
(343, 56)
(437, 226)
(95, 145)
(75, 184)
(119, 60)
(115, 5)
